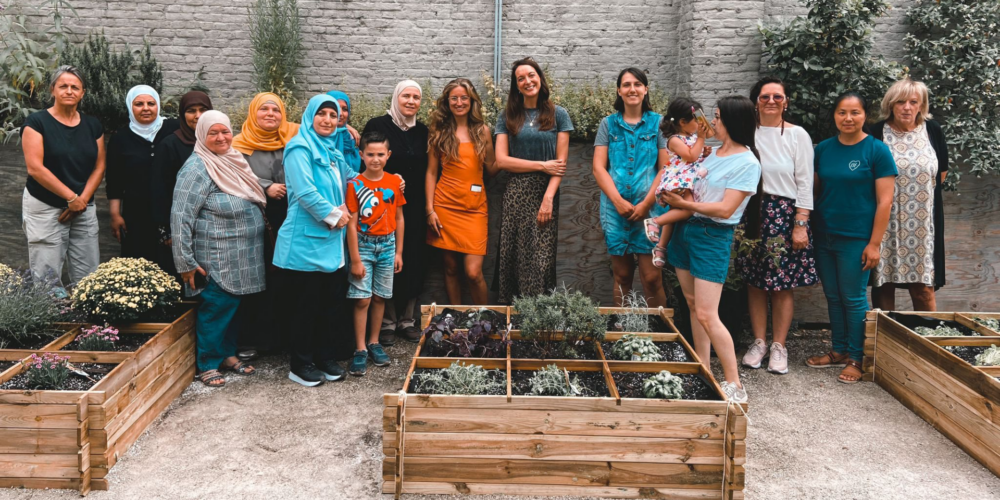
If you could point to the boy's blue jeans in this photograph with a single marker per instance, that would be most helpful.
(378, 254)
(838, 262)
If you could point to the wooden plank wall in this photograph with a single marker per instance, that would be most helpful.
(972, 231)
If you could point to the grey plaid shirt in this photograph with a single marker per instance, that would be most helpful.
(220, 232)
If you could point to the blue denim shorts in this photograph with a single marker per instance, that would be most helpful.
(378, 254)
(623, 237)
(702, 247)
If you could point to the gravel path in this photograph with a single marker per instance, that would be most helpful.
(264, 437)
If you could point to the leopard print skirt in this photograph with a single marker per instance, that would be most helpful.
(526, 262)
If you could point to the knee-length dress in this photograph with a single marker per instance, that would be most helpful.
(526, 262)
(460, 204)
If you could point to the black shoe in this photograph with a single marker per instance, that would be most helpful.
(386, 337)
(331, 370)
(247, 355)
(307, 375)
(410, 334)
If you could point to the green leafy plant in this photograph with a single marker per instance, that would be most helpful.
(636, 348)
(98, 338)
(28, 307)
(554, 381)
(991, 323)
(47, 372)
(663, 385)
(940, 331)
(560, 321)
(125, 289)
(955, 50)
(459, 378)
(276, 38)
(588, 103)
(634, 318)
(825, 53)
(989, 357)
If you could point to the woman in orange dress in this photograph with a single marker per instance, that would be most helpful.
(457, 216)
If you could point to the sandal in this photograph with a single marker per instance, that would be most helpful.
(212, 378)
(659, 257)
(240, 368)
(828, 360)
(851, 374)
(652, 230)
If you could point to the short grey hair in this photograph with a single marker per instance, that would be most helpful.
(62, 70)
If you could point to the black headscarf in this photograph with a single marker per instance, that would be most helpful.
(186, 133)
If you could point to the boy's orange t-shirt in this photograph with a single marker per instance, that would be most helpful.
(375, 203)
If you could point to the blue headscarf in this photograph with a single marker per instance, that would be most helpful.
(147, 132)
(322, 150)
(347, 145)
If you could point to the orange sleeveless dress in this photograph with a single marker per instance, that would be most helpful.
(460, 204)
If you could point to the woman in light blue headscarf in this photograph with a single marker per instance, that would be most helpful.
(346, 135)
(129, 173)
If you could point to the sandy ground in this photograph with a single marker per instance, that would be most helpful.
(264, 437)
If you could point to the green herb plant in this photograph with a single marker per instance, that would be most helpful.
(460, 378)
(940, 331)
(989, 357)
(991, 323)
(554, 381)
(634, 318)
(633, 347)
(560, 321)
(663, 385)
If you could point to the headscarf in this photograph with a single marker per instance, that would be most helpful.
(253, 137)
(147, 132)
(347, 145)
(322, 150)
(193, 98)
(401, 121)
(229, 171)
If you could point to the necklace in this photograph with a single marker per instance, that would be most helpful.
(532, 122)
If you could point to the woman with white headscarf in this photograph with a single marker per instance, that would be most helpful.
(408, 143)
(131, 153)
(217, 236)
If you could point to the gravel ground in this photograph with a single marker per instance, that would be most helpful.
(264, 437)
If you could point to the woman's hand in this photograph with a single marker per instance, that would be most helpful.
(624, 208)
(77, 205)
(435, 223)
(354, 135)
(345, 217)
(673, 199)
(276, 191)
(188, 277)
(870, 257)
(545, 212)
(358, 269)
(554, 167)
(118, 227)
(402, 183)
(67, 215)
(800, 238)
(641, 211)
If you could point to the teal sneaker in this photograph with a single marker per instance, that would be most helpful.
(359, 365)
(378, 355)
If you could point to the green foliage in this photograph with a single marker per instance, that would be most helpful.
(989, 357)
(589, 102)
(826, 53)
(636, 348)
(955, 50)
(28, 308)
(663, 385)
(634, 319)
(560, 321)
(554, 381)
(459, 378)
(276, 38)
(940, 331)
(991, 323)
(109, 75)
(47, 372)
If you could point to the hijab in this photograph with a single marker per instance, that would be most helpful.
(322, 150)
(193, 98)
(398, 118)
(229, 171)
(149, 131)
(347, 145)
(253, 137)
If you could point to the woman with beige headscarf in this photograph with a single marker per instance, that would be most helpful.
(217, 228)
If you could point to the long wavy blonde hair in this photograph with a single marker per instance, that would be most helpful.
(443, 139)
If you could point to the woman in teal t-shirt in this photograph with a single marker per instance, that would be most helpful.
(855, 178)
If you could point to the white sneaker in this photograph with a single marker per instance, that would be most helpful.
(734, 393)
(779, 359)
(755, 354)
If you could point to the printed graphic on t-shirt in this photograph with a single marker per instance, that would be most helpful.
(375, 203)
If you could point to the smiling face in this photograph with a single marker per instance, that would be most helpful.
(68, 90)
(269, 116)
(905, 111)
(772, 100)
(325, 122)
(192, 114)
(849, 116)
(529, 83)
(144, 109)
(219, 139)
(631, 90)
(459, 101)
(345, 115)
(409, 101)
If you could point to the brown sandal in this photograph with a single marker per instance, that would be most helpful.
(828, 360)
(212, 378)
(239, 367)
(851, 374)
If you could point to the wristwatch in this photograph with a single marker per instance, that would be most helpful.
(802, 223)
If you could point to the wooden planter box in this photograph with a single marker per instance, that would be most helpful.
(71, 439)
(610, 447)
(960, 400)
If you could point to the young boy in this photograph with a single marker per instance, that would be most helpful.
(375, 242)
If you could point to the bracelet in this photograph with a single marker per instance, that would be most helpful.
(801, 223)
(430, 213)
(71, 200)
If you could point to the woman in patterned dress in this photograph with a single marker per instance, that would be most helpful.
(913, 245)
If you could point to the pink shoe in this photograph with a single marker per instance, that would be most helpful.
(652, 230)
(659, 256)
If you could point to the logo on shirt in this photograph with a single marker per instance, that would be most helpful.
(854, 165)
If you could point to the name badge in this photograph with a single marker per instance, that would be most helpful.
(477, 188)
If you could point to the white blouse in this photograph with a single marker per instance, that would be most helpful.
(786, 161)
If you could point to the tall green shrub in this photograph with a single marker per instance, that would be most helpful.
(276, 38)
(826, 53)
(955, 50)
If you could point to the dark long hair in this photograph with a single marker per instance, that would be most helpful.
(843, 97)
(681, 108)
(755, 94)
(641, 76)
(739, 116)
(514, 112)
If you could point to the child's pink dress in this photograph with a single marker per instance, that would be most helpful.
(679, 174)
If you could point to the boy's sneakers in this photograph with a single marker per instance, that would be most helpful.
(755, 354)
(779, 359)
(331, 370)
(359, 364)
(307, 375)
(733, 393)
(378, 355)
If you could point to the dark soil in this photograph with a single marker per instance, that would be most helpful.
(4, 365)
(33, 342)
(526, 349)
(515, 321)
(912, 321)
(966, 352)
(630, 386)
(127, 342)
(591, 384)
(97, 371)
(497, 375)
(671, 351)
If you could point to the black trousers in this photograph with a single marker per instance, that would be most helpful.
(311, 306)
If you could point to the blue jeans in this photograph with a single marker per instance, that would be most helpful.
(378, 254)
(216, 326)
(838, 262)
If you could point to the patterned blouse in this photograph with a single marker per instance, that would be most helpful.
(220, 232)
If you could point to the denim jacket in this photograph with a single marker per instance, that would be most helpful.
(632, 155)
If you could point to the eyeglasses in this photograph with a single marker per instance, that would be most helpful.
(775, 98)
(461, 98)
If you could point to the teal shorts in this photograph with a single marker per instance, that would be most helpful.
(702, 247)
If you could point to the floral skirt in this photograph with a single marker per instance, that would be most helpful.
(771, 264)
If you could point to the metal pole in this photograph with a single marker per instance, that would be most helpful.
(497, 40)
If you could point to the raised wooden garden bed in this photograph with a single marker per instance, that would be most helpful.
(71, 439)
(960, 400)
(611, 446)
